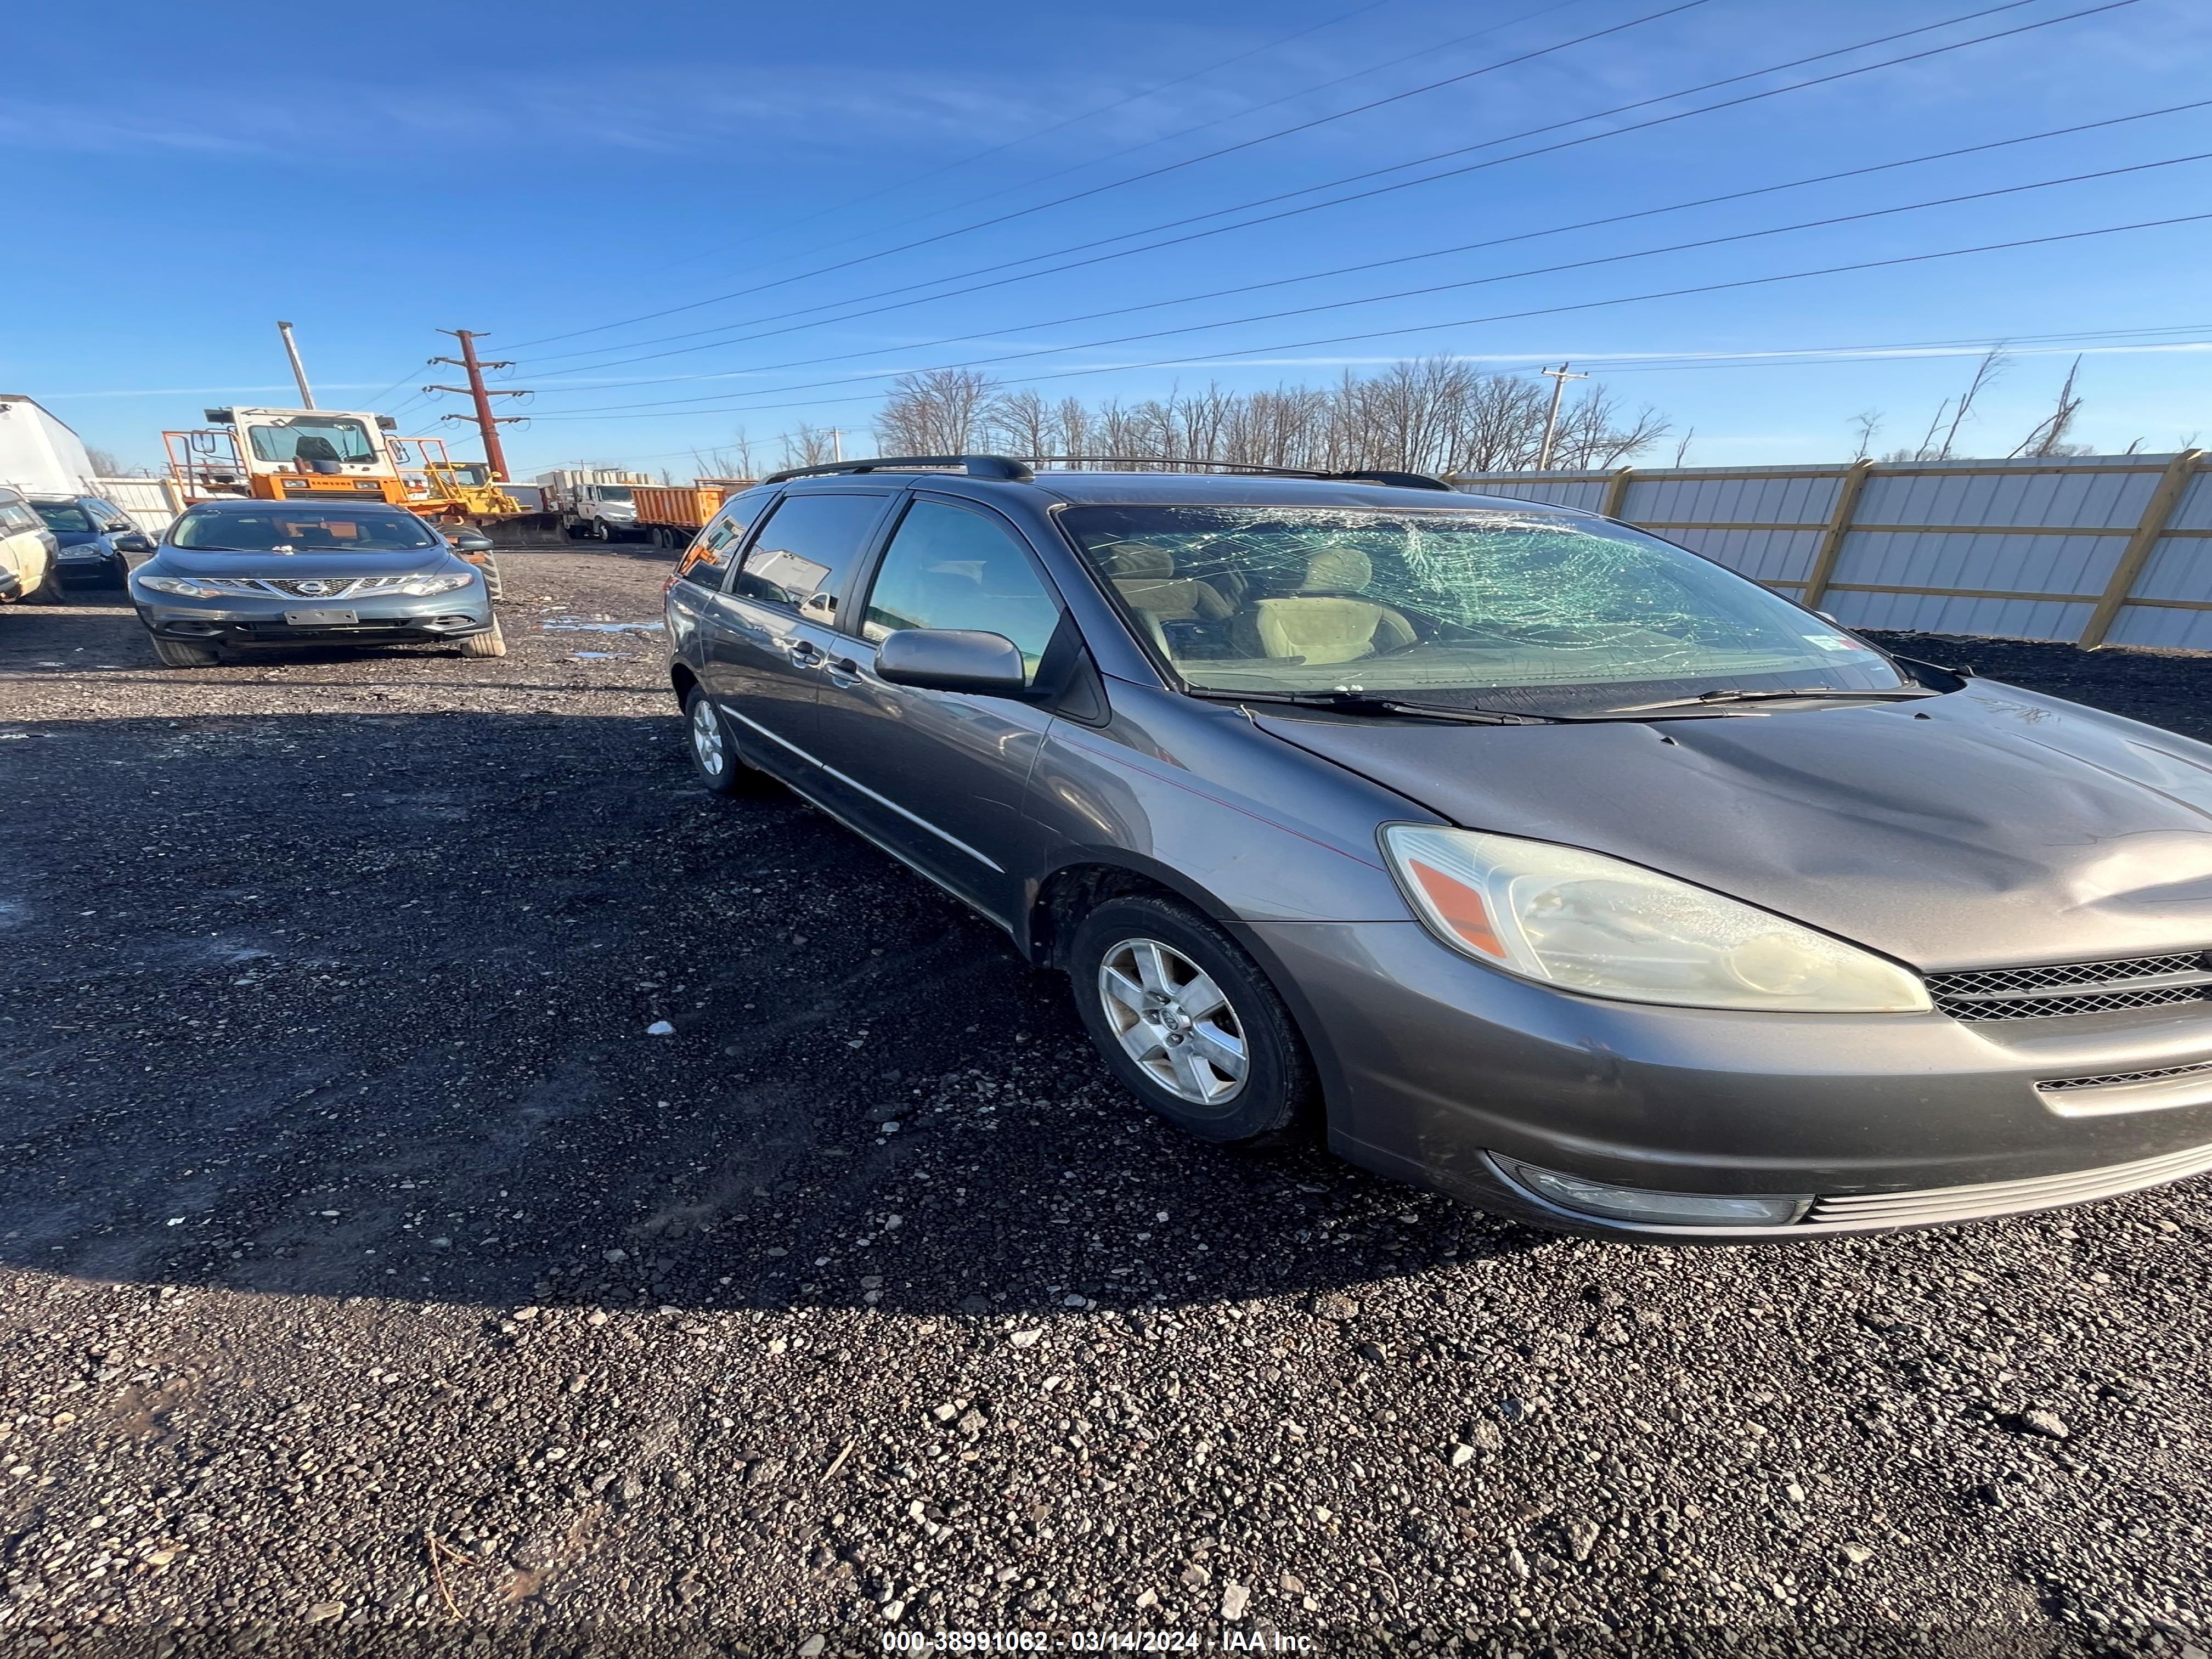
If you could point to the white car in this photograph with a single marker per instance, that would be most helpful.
(28, 566)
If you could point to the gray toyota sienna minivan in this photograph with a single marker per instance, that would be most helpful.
(1542, 860)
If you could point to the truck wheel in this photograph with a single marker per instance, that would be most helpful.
(599, 530)
(181, 653)
(491, 643)
(495, 584)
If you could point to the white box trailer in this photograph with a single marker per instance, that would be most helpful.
(39, 453)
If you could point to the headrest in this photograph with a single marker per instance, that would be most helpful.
(1139, 559)
(1337, 570)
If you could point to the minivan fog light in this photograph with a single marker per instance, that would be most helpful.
(1603, 1201)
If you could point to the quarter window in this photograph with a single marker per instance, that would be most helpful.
(950, 568)
(708, 560)
(801, 555)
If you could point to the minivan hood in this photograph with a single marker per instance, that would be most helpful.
(2005, 829)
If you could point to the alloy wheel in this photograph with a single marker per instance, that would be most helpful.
(707, 742)
(1174, 1021)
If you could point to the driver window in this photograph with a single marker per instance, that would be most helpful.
(949, 567)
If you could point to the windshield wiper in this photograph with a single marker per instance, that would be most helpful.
(1365, 702)
(1732, 694)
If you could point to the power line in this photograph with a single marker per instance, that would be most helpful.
(1499, 317)
(1092, 114)
(1428, 52)
(1436, 254)
(1488, 143)
(1474, 281)
(1172, 166)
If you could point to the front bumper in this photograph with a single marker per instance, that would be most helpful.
(380, 619)
(1433, 1063)
(89, 561)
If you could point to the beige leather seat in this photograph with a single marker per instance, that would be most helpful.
(1144, 577)
(1324, 621)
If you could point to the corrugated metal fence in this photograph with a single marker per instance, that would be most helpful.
(2100, 549)
(150, 503)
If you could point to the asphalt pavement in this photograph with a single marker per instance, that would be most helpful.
(368, 1264)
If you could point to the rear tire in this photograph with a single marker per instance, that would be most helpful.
(492, 643)
(182, 653)
(714, 758)
(495, 584)
(49, 590)
(1186, 1022)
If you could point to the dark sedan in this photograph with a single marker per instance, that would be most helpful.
(1539, 859)
(96, 537)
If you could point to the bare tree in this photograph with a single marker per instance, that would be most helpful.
(809, 445)
(941, 411)
(1021, 424)
(1593, 432)
(1869, 421)
(1437, 415)
(732, 461)
(2048, 436)
(1931, 448)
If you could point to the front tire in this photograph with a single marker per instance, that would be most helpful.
(491, 643)
(1186, 1022)
(182, 653)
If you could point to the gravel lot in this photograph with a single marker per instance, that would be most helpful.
(364, 1261)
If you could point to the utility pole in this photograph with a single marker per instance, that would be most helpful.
(836, 444)
(1559, 379)
(299, 369)
(487, 423)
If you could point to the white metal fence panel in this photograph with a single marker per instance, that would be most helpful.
(149, 503)
(2094, 548)
(1583, 490)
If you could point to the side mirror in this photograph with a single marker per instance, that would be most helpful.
(131, 542)
(953, 660)
(470, 541)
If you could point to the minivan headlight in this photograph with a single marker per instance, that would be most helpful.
(1586, 922)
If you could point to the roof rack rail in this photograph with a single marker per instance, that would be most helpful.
(1364, 474)
(976, 466)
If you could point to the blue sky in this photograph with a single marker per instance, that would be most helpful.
(182, 177)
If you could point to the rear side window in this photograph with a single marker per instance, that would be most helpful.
(802, 553)
(14, 516)
(708, 560)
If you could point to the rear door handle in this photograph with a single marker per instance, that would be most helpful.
(803, 652)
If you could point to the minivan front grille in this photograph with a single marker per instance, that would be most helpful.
(2084, 987)
(1941, 1204)
(2059, 1086)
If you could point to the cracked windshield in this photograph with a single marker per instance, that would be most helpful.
(1530, 610)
